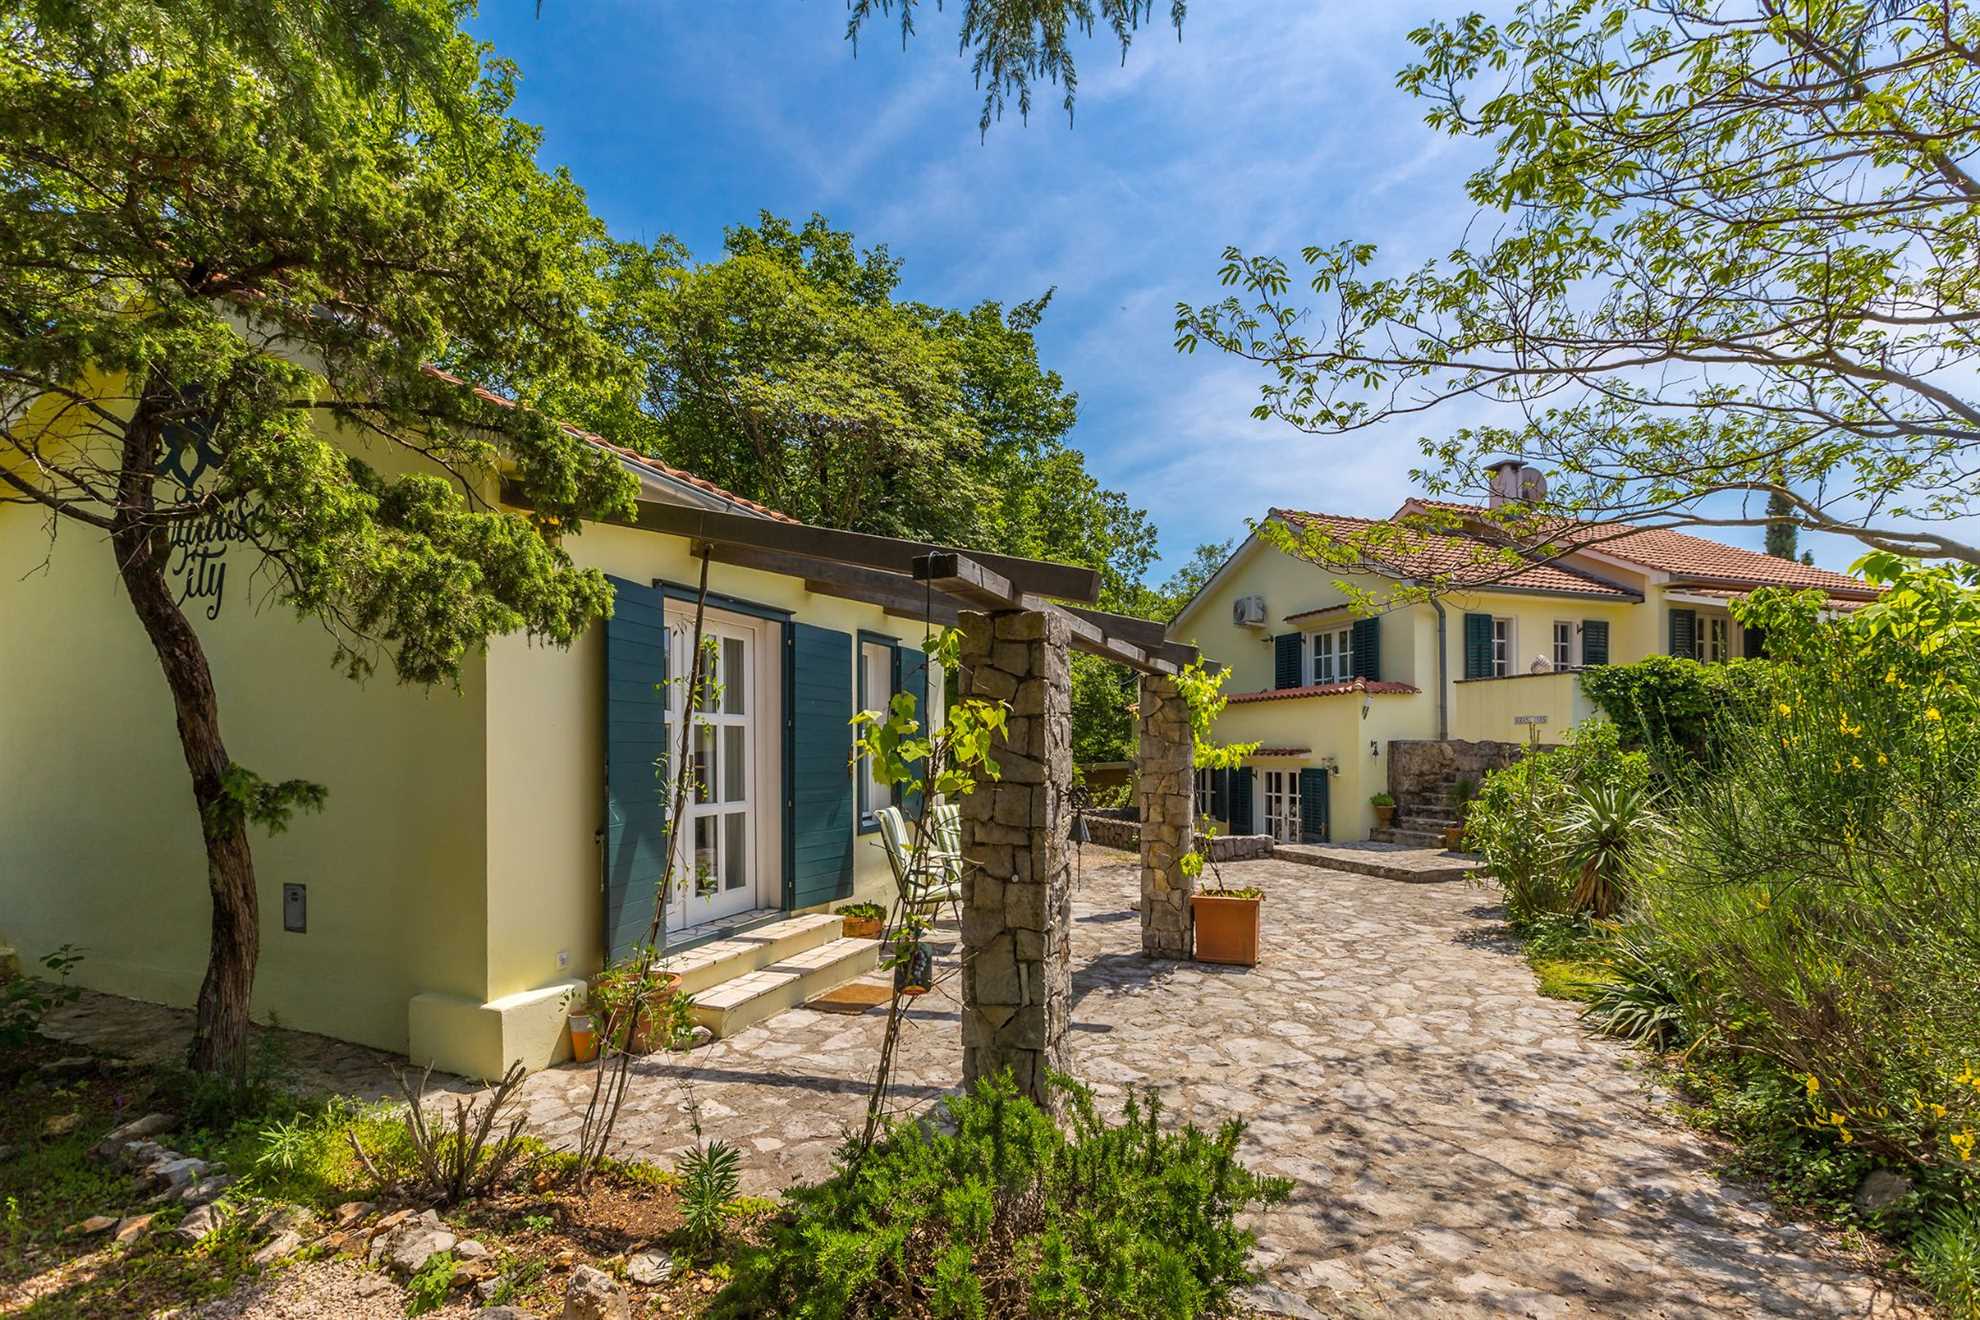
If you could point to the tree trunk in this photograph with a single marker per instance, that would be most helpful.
(219, 1041)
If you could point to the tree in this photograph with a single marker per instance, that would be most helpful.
(1734, 258)
(788, 372)
(1781, 532)
(1017, 43)
(226, 227)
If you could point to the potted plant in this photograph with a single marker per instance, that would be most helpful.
(1225, 919)
(863, 921)
(1462, 793)
(1385, 809)
(1226, 923)
(664, 1019)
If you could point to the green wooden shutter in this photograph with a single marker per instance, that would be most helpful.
(1684, 633)
(635, 764)
(1285, 660)
(1316, 819)
(911, 677)
(1367, 643)
(818, 802)
(1594, 642)
(1478, 646)
(1240, 821)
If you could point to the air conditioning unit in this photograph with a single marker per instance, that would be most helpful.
(1248, 611)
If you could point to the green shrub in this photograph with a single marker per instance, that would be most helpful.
(1514, 822)
(25, 1000)
(1006, 1215)
(1669, 707)
(710, 1177)
(1946, 1257)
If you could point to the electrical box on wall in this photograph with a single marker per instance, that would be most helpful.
(295, 908)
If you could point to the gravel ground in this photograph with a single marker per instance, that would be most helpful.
(316, 1289)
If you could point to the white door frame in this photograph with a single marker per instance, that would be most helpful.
(754, 709)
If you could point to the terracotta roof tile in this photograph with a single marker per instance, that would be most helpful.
(1681, 554)
(1379, 687)
(1462, 560)
(642, 460)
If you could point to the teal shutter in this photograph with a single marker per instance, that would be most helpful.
(818, 804)
(1684, 633)
(1478, 646)
(635, 764)
(1594, 642)
(1316, 822)
(1367, 644)
(1285, 657)
(911, 677)
(1240, 821)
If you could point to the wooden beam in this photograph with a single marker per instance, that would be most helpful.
(1037, 576)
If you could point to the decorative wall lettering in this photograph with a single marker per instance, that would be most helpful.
(199, 544)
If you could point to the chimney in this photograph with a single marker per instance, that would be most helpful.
(1505, 481)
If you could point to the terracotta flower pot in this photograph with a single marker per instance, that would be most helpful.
(651, 1035)
(1453, 836)
(1385, 816)
(1226, 929)
(863, 928)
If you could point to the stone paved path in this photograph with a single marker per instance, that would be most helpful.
(1459, 1146)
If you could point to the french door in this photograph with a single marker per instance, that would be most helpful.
(1282, 805)
(715, 862)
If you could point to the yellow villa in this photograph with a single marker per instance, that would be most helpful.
(483, 851)
(1331, 696)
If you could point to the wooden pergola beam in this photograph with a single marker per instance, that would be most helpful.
(1038, 576)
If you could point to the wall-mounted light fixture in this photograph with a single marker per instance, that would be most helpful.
(1374, 748)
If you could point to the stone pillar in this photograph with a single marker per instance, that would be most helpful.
(1017, 899)
(1167, 797)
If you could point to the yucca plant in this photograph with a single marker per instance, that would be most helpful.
(710, 1178)
(1603, 827)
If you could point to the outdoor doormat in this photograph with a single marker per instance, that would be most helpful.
(855, 997)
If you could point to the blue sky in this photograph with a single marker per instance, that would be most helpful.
(1272, 124)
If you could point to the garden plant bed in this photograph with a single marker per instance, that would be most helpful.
(301, 1230)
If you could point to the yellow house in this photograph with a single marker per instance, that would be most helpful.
(1490, 661)
(483, 850)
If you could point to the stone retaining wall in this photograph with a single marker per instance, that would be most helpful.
(1117, 827)
(1416, 765)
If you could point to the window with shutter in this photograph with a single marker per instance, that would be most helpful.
(1286, 660)
(1241, 822)
(1367, 657)
(818, 807)
(1477, 646)
(1594, 642)
(1684, 634)
(635, 763)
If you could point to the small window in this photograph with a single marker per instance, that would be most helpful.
(876, 689)
(1717, 645)
(1502, 647)
(1333, 656)
(1563, 644)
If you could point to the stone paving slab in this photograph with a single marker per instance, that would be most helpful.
(1459, 1147)
(1389, 861)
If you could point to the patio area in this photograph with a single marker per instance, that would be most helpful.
(1458, 1145)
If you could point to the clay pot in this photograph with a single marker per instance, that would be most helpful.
(584, 1038)
(863, 928)
(1385, 816)
(652, 1018)
(1226, 929)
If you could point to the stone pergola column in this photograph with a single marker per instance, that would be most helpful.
(1167, 797)
(1017, 902)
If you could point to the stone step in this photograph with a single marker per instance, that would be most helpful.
(748, 998)
(1408, 838)
(1384, 861)
(711, 964)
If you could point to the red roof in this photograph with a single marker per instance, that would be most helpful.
(1452, 557)
(1688, 557)
(1379, 687)
(653, 465)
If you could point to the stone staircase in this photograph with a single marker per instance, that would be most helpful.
(739, 980)
(1422, 815)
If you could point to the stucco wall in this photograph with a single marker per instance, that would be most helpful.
(102, 845)
(1485, 709)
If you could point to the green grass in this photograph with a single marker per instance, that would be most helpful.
(1574, 979)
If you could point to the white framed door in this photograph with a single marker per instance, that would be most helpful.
(1282, 805)
(723, 855)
